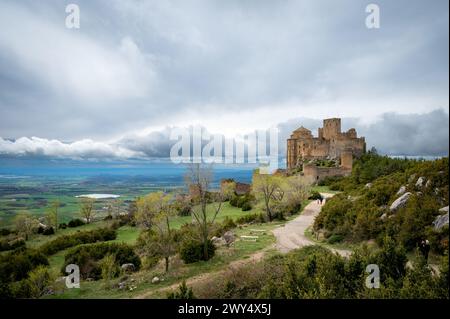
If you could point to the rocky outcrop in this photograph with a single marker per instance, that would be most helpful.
(443, 210)
(401, 190)
(420, 182)
(229, 237)
(226, 240)
(218, 241)
(128, 267)
(440, 221)
(400, 202)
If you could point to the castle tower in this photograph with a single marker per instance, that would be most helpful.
(331, 128)
(291, 155)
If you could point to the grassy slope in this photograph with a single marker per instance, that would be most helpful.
(179, 271)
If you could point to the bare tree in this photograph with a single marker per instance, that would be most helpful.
(87, 209)
(199, 179)
(117, 205)
(53, 214)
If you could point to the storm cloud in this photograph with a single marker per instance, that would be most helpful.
(392, 134)
(136, 67)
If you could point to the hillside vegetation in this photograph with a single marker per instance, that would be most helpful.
(398, 198)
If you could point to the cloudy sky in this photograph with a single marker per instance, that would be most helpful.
(135, 68)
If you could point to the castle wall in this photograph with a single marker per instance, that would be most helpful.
(315, 174)
(347, 160)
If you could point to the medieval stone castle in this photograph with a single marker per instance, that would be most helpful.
(303, 150)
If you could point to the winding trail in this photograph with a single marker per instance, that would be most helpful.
(292, 234)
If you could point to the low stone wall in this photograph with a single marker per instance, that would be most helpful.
(315, 174)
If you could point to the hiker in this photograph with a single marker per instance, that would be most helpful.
(424, 248)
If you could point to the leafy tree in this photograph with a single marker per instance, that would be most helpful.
(154, 213)
(25, 224)
(269, 189)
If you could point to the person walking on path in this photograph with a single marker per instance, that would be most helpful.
(424, 248)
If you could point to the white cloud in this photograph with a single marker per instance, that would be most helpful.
(393, 134)
(35, 146)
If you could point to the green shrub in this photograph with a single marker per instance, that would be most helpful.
(75, 223)
(88, 257)
(315, 195)
(11, 244)
(5, 232)
(191, 251)
(48, 231)
(227, 224)
(15, 266)
(333, 239)
(85, 237)
(242, 201)
(183, 207)
(251, 218)
(36, 285)
(184, 292)
(292, 207)
(246, 206)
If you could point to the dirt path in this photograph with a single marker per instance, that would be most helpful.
(205, 277)
(292, 234)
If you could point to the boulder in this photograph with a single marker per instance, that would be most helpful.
(440, 222)
(383, 217)
(400, 202)
(229, 237)
(443, 210)
(128, 267)
(420, 181)
(218, 241)
(411, 178)
(368, 185)
(155, 280)
(428, 183)
(401, 190)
